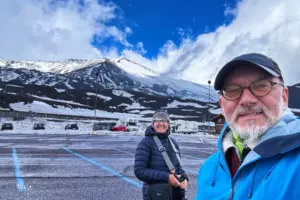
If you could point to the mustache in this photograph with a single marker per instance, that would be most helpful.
(242, 110)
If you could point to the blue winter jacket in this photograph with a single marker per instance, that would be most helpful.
(149, 165)
(270, 171)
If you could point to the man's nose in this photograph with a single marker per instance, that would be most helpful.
(247, 98)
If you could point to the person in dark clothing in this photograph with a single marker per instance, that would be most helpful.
(150, 166)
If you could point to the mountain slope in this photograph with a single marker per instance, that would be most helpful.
(102, 73)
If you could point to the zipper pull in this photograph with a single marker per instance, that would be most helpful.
(231, 195)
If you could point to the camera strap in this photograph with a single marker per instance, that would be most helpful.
(163, 151)
(176, 151)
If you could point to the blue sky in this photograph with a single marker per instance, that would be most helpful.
(185, 39)
(157, 21)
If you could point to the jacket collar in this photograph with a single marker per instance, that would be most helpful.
(282, 138)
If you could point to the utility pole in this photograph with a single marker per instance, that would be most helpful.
(209, 82)
(97, 75)
(95, 104)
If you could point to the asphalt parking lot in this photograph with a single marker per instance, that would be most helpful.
(56, 166)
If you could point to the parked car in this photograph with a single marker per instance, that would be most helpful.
(71, 127)
(119, 128)
(130, 124)
(103, 126)
(39, 126)
(7, 126)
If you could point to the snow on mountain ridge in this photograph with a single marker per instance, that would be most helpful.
(117, 74)
(63, 67)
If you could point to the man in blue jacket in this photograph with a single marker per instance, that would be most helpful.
(259, 147)
(150, 166)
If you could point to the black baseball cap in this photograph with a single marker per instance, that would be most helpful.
(259, 60)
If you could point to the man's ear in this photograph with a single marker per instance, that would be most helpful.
(285, 96)
(221, 105)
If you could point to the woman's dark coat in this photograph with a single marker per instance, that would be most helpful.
(149, 165)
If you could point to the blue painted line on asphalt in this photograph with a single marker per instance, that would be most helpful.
(20, 183)
(138, 185)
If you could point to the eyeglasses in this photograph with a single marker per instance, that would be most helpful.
(258, 88)
(161, 121)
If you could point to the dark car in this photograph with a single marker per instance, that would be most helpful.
(104, 126)
(39, 126)
(71, 127)
(7, 126)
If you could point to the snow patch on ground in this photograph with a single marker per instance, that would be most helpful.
(122, 93)
(3, 63)
(176, 103)
(11, 85)
(134, 105)
(106, 98)
(68, 85)
(12, 93)
(57, 100)
(181, 116)
(134, 111)
(215, 111)
(10, 76)
(124, 104)
(113, 83)
(41, 107)
(187, 109)
(60, 90)
(144, 112)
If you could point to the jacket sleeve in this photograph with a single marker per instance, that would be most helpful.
(141, 170)
(181, 171)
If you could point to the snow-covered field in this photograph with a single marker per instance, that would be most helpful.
(54, 126)
(42, 107)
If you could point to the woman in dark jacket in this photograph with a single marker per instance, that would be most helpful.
(150, 166)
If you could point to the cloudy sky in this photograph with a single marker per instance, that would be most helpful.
(186, 39)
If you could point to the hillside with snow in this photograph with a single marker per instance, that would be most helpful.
(101, 73)
(108, 103)
(114, 88)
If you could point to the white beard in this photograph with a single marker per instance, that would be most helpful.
(251, 132)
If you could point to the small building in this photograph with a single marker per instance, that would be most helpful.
(219, 121)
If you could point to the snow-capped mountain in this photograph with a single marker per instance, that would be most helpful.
(122, 86)
(101, 73)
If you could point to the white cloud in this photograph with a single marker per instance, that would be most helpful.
(44, 30)
(128, 30)
(263, 26)
(140, 48)
(229, 10)
(34, 29)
